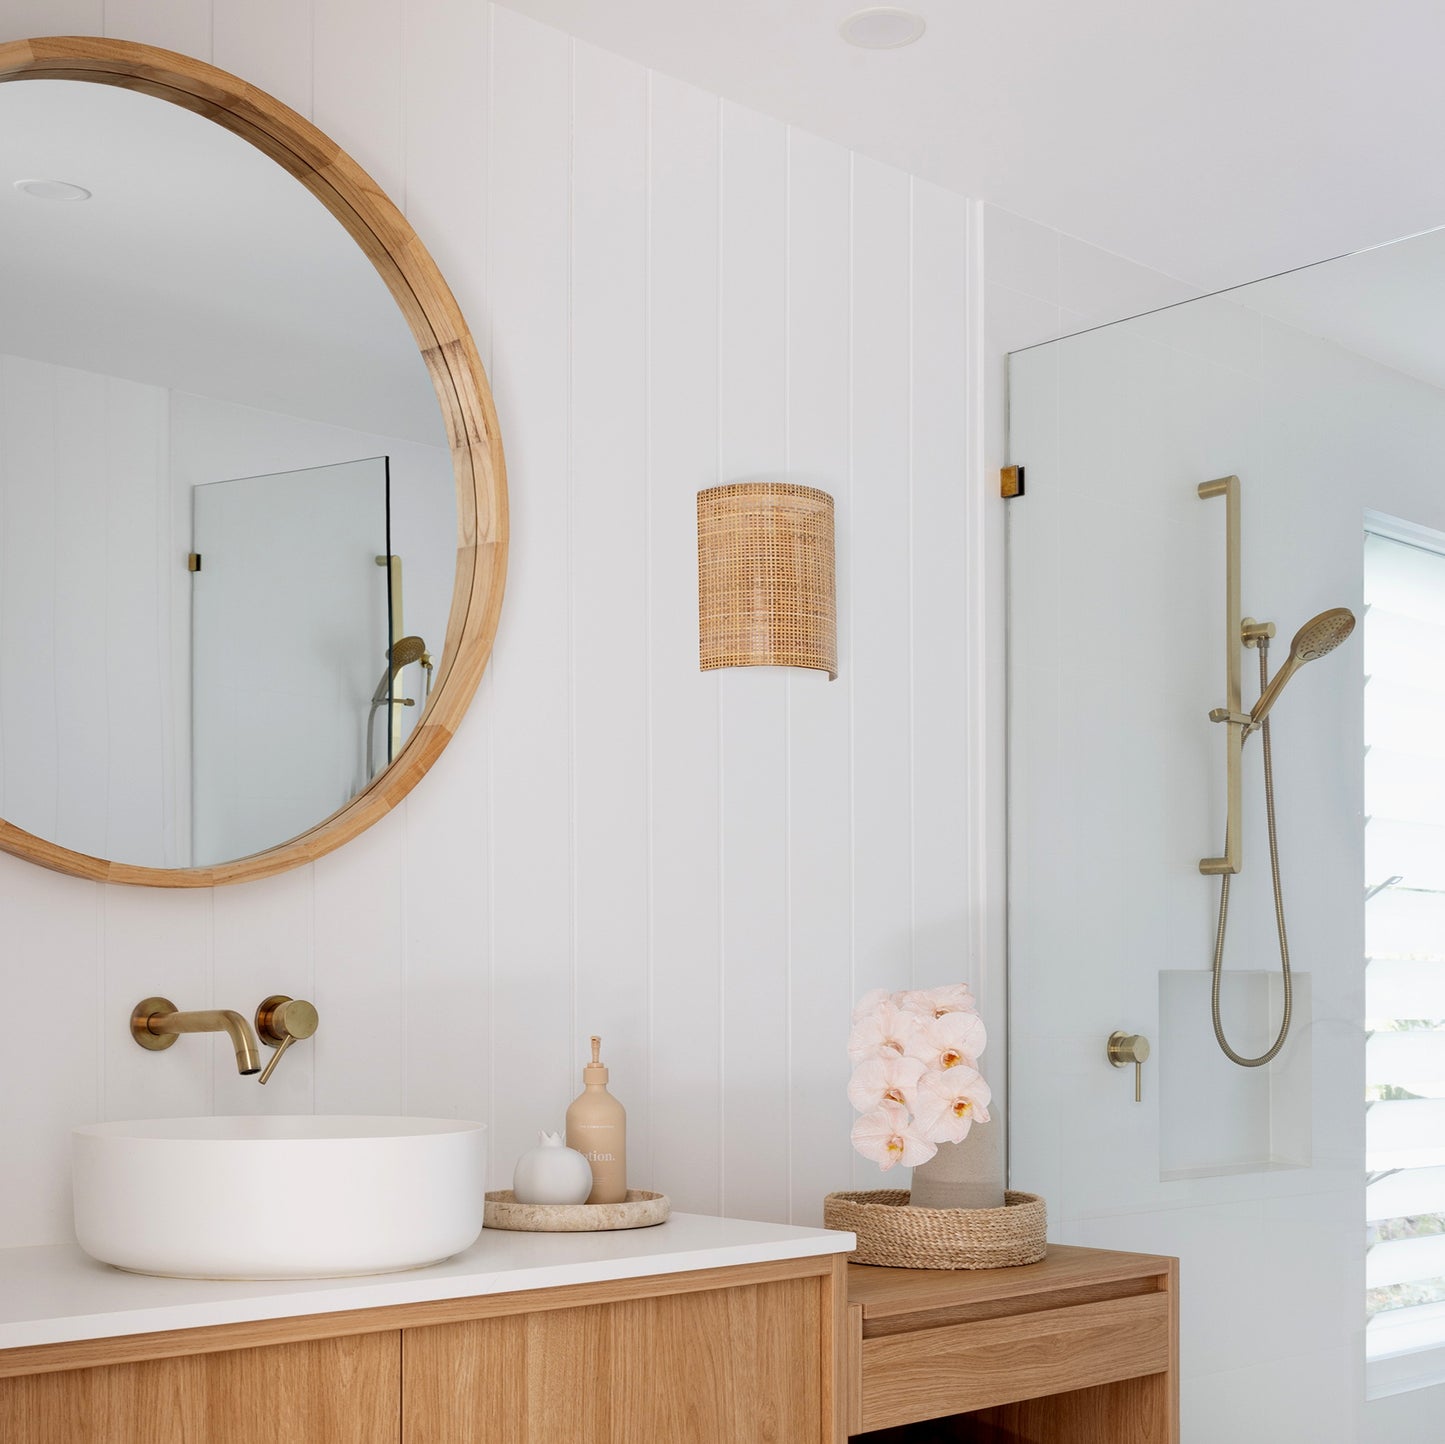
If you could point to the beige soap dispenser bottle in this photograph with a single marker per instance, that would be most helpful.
(597, 1129)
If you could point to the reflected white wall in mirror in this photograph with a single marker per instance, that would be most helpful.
(200, 318)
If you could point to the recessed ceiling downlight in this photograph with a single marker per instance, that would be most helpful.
(52, 190)
(883, 27)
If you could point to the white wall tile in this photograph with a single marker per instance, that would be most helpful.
(880, 533)
(610, 731)
(1304, 1397)
(448, 145)
(881, 611)
(156, 945)
(52, 1073)
(25, 18)
(357, 84)
(1021, 254)
(268, 43)
(684, 783)
(360, 1054)
(752, 443)
(819, 720)
(533, 1051)
(447, 903)
(183, 25)
(939, 537)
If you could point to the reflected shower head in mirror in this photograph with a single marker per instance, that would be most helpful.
(1317, 638)
(413, 649)
(404, 652)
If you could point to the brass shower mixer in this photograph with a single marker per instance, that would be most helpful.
(1126, 1048)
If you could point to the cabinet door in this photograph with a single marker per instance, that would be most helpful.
(724, 1366)
(330, 1391)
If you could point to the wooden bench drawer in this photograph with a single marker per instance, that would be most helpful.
(931, 1373)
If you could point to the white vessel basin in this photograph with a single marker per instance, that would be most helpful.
(277, 1198)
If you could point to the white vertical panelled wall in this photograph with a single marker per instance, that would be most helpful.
(670, 292)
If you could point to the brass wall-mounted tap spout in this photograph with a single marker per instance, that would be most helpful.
(156, 1023)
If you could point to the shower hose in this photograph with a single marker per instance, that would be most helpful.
(1278, 904)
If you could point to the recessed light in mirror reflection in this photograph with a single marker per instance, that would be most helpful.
(883, 27)
(52, 190)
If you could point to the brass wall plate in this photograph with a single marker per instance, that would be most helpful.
(140, 1019)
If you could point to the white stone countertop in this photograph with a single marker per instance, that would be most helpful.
(56, 1294)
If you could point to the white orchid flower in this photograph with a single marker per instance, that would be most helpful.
(950, 1103)
(885, 1080)
(887, 1137)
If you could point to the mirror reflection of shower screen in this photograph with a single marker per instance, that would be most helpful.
(290, 621)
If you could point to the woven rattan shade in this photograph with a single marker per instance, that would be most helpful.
(765, 587)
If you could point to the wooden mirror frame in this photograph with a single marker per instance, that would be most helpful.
(417, 286)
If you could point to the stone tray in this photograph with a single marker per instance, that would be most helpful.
(641, 1210)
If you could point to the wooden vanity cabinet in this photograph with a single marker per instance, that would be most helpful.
(1082, 1348)
(743, 1355)
(740, 1365)
(315, 1389)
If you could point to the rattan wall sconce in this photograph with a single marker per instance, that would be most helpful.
(765, 580)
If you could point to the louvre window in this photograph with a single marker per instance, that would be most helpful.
(1404, 637)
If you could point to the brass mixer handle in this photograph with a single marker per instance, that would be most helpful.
(282, 1021)
(270, 1068)
(1127, 1048)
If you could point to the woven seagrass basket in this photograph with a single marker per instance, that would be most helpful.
(894, 1235)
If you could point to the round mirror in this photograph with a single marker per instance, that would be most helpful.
(250, 570)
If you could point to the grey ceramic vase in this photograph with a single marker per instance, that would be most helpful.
(963, 1175)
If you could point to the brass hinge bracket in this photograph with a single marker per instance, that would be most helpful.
(193, 562)
(1010, 482)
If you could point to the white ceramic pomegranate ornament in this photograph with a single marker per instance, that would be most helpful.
(552, 1173)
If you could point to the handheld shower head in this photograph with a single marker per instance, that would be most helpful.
(1317, 638)
(1322, 634)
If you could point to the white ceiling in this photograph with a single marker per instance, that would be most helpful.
(1217, 142)
(198, 264)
